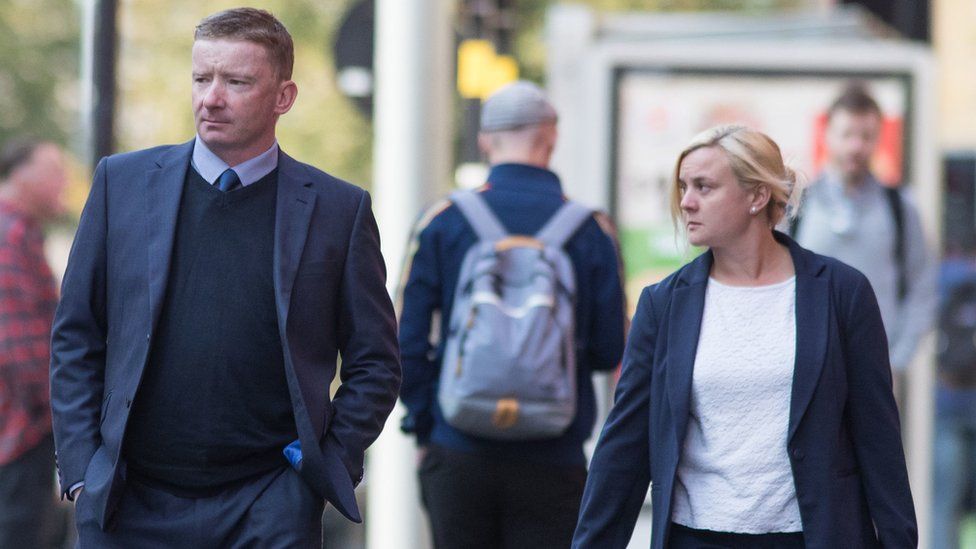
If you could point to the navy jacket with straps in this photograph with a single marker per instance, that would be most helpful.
(524, 198)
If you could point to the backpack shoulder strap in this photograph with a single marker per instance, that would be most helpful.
(564, 224)
(797, 220)
(898, 214)
(474, 208)
(795, 225)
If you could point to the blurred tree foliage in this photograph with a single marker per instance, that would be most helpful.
(39, 57)
(323, 128)
(530, 45)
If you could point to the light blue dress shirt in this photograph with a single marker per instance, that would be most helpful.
(210, 166)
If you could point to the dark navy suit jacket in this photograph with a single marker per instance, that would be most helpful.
(330, 294)
(843, 440)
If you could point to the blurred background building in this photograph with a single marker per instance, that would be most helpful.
(390, 92)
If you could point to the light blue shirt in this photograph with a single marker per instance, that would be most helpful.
(210, 166)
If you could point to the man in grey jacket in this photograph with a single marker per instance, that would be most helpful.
(848, 214)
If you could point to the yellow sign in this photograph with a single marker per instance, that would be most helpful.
(481, 70)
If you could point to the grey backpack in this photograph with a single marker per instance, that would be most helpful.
(509, 366)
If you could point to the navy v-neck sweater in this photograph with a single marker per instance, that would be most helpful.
(213, 406)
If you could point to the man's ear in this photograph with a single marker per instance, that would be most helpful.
(551, 135)
(484, 143)
(287, 93)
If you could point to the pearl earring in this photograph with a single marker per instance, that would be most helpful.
(752, 210)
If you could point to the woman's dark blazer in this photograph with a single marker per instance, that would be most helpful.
(843, 441)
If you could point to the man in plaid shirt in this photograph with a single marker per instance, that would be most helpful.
(32, 182)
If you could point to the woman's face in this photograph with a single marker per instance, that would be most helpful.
(714, 206)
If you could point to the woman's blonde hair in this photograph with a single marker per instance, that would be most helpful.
(755, 160)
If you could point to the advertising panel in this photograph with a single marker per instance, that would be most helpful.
(659, 111)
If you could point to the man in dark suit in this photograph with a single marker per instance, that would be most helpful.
(209, 290)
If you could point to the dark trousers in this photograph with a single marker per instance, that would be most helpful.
(476, 501)
(27, 501)
(683, 537)
(275, 510)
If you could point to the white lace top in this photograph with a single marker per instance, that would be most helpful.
(734, 473)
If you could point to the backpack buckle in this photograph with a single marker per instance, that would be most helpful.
(506, 413)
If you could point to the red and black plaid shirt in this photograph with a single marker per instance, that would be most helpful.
(27, 302)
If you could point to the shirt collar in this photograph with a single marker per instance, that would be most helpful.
(524, 178)
(835, 183)
(210, 166)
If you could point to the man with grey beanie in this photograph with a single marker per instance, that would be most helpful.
(481, 490)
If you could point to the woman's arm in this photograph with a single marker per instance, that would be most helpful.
(620, 469)
(874, 424)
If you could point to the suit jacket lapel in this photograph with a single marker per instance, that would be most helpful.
(293, 215)
(164, 189)
(684, 327)
(812, 325)
(295, 203)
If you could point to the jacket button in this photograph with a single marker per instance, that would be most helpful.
(797, 454)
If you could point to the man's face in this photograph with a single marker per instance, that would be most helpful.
(42, 182)
(237, 98)
(851, 141)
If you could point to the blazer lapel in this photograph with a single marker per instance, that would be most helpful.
(293, 215)
(812, 325)
(164, 189)
(295, 203)
(684, 327)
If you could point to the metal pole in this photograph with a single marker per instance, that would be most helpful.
(927, 181)
(475, 23)
(411, 165)
(103, 80)
(505, 27)
(83, 143)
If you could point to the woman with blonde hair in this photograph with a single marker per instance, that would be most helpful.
(755, 394)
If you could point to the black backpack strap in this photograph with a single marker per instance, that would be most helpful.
(797, 218)
(898, 215)
(794, 225)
